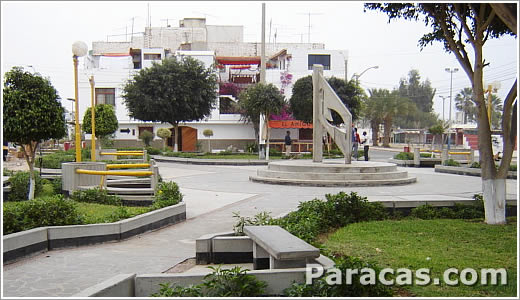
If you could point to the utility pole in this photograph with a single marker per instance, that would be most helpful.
(451, 71)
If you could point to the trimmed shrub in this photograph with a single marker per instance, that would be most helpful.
(147, 137)
(153, 151)
(458, 211)
(54, 160)
(404, 156)
(234, 282)
(320, 287)
(19, 182)
(43, 211)
(475, 164)
(166, 194)
(96, 195)
(451, 162)
(512, 168)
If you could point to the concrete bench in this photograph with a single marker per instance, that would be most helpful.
(275, 248)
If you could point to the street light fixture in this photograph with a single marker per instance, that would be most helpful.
(451, 71)
(78, 49)
(359, 75)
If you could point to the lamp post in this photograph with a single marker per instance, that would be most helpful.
(78, 49)
(451, 71)
(93, 120)
(443, 98)
(359, 75)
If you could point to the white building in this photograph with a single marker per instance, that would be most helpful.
(237, 63)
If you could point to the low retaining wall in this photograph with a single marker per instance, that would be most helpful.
(21, 244)
(146, 284)
(468, 171)
(223, 162)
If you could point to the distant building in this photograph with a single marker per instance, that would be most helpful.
(237, 65)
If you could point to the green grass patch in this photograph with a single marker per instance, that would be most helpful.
(437, 244)
(103, 213)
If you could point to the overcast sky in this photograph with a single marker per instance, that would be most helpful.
(41, 33)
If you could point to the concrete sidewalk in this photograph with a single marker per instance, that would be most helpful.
(212, 194)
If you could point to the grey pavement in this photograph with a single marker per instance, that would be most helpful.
(212, 194)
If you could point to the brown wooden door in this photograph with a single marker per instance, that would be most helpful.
(188, 137)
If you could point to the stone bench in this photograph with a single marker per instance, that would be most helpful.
(275, 248)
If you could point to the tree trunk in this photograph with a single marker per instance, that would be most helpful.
(267, 142)
(387, 127)
(375, 132)
(29, 158)
(494, 193)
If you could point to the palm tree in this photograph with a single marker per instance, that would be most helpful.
(392, 106)
(496, 112)
(464, 102)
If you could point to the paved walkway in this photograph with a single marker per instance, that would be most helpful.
(212, 194)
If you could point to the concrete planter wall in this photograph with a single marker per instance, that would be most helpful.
(468, 171)
(21, 244)
(146, 284)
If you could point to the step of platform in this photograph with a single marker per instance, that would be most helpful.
(332, 173)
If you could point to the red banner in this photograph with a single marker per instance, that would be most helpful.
(289, 124)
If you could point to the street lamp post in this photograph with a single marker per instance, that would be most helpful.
(451, 71)
(443, 98)
(359, 75)
(78, 49)
(93, 120)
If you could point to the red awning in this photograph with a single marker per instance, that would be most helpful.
(238, 60)
(289, 124)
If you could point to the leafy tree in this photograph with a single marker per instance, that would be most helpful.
(147, 137)
(420, 93)
(172, 91)
(349, 92)
(496, 111)
(373, 113)
(437, 129)
(106, 121)
(208, 133)
(457, 26)
(32, 113)
(465, 104)
(260, 99)
(164, 133)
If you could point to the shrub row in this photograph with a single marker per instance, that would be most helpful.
(44, 211)
(96, 195)
(19, 182)
(458, 211)
(166, 194)
(234, 282)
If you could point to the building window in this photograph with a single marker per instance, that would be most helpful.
(145, 128)
(319, 59)
(106, 96)
(152, 56)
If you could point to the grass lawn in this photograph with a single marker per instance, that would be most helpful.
(438, 245)
(102, 213)
(99, 213)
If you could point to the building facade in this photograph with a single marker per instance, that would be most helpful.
(236, 63)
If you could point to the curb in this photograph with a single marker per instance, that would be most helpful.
(216, 162)
(19, 245)
(467, 171)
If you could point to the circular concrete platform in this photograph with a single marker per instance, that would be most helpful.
(332, 173)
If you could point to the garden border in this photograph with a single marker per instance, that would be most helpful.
(19, 245)
(468, 171)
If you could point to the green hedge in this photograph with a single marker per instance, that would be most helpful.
(404, 156)
(19, 182)
(96, 195)
(166, 194)
(458, 211)
(44, 211)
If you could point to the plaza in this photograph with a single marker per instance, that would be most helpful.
(212, 194)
